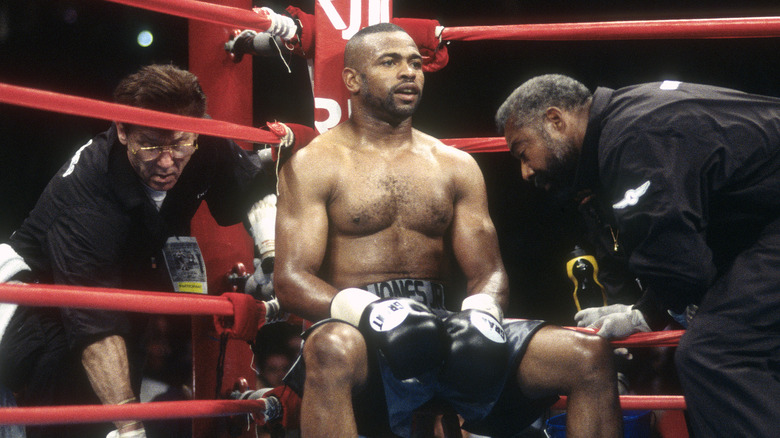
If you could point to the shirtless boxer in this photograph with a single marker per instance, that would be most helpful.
(375, 204)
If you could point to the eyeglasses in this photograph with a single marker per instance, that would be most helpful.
(177, 151)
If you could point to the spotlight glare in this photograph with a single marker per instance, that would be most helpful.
(145, 38)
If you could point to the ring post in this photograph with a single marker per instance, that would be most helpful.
(228, 86)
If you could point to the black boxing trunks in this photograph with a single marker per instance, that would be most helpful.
(386, 403)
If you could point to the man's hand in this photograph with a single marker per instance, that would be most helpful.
(406, 332)
(615, 321)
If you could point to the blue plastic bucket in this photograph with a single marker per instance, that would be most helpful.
(636, 424)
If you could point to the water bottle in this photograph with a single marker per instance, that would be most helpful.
(583, 272)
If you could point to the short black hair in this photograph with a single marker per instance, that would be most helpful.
(351, 49)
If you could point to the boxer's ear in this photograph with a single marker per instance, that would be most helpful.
(351, 80)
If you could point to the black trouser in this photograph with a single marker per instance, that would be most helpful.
(728, 361)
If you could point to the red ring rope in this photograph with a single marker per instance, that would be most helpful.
(211, 408)
(667, 338)
(50, 101)
(132, 411)
(634, 402)
(168, 303)
(194, 304)
(81, 106)
(121, 300)
(476, 145)
(204, 11)
(756, 27)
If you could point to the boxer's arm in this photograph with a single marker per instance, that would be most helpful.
(474, 239)
(301, 237)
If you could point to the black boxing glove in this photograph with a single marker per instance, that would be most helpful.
(476, 364)
(407, 334)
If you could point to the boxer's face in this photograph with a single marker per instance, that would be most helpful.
(392, 77)
(546, 161)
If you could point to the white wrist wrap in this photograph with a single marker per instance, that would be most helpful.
(262, 220)
(348, 305)
(485, 303)
(281, 25)
(272, 309)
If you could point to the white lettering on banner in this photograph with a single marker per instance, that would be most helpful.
(75, 160)
(310, 67)
(378, 12)
(334, 113)
(332, 14)
(355, 19)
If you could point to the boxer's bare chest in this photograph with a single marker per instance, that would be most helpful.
(409, 192)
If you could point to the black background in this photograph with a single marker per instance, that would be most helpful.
(83, 47)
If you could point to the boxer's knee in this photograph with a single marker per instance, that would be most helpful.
(335, 352)
(592, 360)
(562, 361)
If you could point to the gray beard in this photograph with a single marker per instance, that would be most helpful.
(561, 165)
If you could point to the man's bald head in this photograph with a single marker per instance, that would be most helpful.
(355, 50)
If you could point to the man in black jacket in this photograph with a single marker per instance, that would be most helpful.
(691, 175)
(105, 220)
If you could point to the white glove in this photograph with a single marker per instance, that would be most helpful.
(262, 220)
(137, 433)
(587, 317)
(615, 321)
